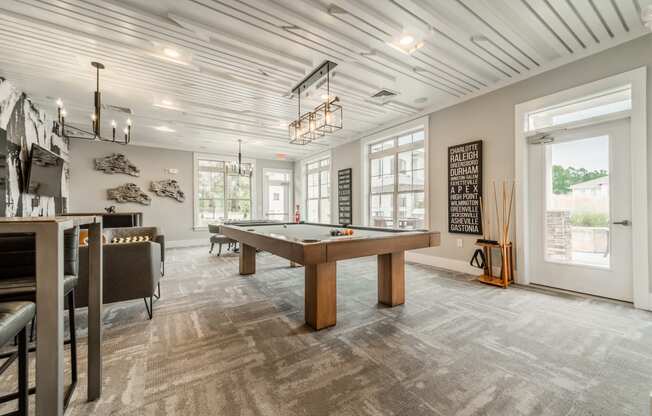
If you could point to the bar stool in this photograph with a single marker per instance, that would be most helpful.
(14, 318)
(18, 283)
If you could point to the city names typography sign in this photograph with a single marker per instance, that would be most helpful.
(465, 188)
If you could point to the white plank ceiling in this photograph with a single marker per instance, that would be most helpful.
(237, 60)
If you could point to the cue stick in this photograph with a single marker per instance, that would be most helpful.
(497, 212)
(504, 213)
(509, 215)
(484, 228)
(488, 214)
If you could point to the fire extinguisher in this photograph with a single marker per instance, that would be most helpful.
(297, 215)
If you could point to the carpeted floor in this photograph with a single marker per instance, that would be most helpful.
(222, 344)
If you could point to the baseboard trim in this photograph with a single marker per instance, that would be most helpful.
(448, 264)
(187, 243)
(444, 263)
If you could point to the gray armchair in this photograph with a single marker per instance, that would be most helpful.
(131, 270)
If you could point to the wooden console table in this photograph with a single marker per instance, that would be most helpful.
(48, 233)
(115, 219)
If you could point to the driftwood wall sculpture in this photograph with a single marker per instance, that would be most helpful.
(129, 192)
(168, 188)
(23, 123)
(116, 163)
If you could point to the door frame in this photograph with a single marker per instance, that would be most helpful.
(290, 196)
(638, 130)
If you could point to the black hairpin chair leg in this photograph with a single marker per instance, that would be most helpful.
(149, 306)
(23, 371)
(73, 348)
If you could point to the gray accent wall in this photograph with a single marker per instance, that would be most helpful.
(490, 117)
(175, 219)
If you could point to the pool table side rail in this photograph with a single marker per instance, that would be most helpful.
(339, 226)
(327, 251)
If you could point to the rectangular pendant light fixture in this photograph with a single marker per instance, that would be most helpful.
(326, 118)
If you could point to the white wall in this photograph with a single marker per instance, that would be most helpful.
(175, 219)
(342, 157)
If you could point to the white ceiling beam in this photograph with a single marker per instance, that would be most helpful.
(522, 13)
(370, 15)
(240, 45)
(508, 38)
(429, 19)
(611, 16)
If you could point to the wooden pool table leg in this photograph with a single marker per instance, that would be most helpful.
(321, 295)
(247, 259)
(391, 278)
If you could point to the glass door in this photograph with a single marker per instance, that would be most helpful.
(581, 210)
(276, 196)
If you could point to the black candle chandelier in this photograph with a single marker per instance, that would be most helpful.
(71, 132)
(237, 167)
(326, 118)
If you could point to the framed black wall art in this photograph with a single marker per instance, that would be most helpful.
(465, 188)
(345, 196)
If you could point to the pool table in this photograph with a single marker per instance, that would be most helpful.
(313, 246)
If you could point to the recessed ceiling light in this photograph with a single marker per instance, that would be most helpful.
(646, 16)
(167, 102)
(406, 40)
(172, 53)
(406, 44)
(165, 129)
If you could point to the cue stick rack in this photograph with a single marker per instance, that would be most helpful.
(501, 243)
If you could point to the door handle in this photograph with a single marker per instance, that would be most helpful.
(623, 222)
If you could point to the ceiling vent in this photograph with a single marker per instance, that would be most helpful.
(384, 93)
(383, 96)
(118, 109)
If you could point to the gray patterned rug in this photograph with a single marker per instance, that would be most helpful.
(222, 344)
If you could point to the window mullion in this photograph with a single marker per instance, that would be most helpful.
(226, 210)
(319, 194)
(395, 198)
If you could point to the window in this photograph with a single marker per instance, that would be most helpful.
(397, 181)
(238, 197)
(585, 108)
(220, 195)
(318, 203)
